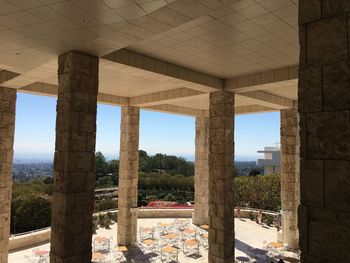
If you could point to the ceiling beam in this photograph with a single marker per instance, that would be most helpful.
(45, 89)
(6, 75)
(138, 60)
(263, 80)
(249, 109)
(266, 99)
(164, 97)
(167, 108)
(52, 90)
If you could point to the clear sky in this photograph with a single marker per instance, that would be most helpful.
(159, 132)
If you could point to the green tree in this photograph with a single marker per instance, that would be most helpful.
(101, 165)
(254, 172)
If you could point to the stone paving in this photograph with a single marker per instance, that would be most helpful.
(249, 235)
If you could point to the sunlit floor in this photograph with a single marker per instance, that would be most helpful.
(249, 236)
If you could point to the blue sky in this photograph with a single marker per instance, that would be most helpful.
(159, 132)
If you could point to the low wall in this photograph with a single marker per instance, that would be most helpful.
(165, 213)
(34, 238)
(29, 239)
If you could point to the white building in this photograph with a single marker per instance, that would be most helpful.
(271, 161)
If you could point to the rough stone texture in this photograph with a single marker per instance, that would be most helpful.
(74, 164)
(221, 158)
(311, 181)
(320, 35)
(336, 177)
(310, 97)
(328, 135)
(7, 130)
(128, 175)
(336, 80)
(201, 172)
(290, 179)
(325, 133)
(331, 7)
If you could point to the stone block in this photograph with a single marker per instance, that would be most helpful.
(74, 161)
(302, 45)
(329, 234)
(9, 94)
(312, 259)
(322, 141)
(337, 185)
(336, 82)
(310, 95)
(303, 135)
(311, 182)
(327, 41)
(303, 228)
(76, 62)
(332, 7)
(309, 10)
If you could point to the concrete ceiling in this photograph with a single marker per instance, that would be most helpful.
(194, 45)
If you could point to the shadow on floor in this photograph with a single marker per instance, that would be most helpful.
(260, 255)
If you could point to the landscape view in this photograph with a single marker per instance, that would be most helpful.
(161, 178)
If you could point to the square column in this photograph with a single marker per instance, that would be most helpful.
(221, 159)
(290, 178)
(74, 164)
(7, 130)
(201, 172)
(324, 107)
(128, 175)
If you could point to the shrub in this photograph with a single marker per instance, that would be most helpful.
(102, 220)
(268, 219)
(260, 192)
(252, 216)
(106, 204)
(109, 216)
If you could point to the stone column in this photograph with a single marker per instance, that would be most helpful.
(324, 107)
(74, 164)
(128, 175)
(201, 172)
(290, 178)
(221, 155)
(7, 130)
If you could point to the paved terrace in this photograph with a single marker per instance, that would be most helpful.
(249, 235)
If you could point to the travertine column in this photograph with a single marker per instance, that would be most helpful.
(7, 129)
(128, 175)
(74, 164)
(324, 107)
(201, 172)
(290, 181)
(221, 155)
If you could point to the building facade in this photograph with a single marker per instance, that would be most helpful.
(271, 161)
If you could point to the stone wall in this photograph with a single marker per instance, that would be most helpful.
(324, 104)
(221, 155)
(290, 178)
(74, 163)
(7, 129)
(128, 175)
(201, 172)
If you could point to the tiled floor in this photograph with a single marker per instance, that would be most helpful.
(249, 235)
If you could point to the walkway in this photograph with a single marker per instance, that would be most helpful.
(249, 235)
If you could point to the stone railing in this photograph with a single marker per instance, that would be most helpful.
(32, 238)
(28, 239)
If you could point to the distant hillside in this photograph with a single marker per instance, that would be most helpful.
(28, 169)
